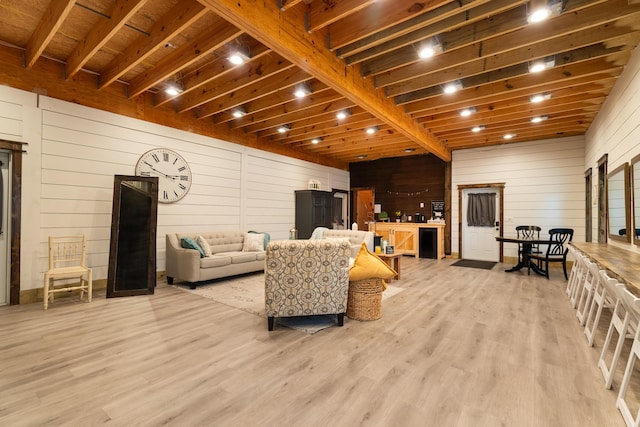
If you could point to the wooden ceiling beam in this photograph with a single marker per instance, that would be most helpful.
(283, 33)
(219, 33)
(376, 17)
(278, 82)
(120, 13)
(51, 20)
(169, 26)
(249, 73)
(320, 13)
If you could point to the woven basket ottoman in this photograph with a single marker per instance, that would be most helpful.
(365, 299)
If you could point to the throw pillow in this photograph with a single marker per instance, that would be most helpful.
(253, 242)
(267, 237)
(189, 243)
(369, 266)
(204, 245)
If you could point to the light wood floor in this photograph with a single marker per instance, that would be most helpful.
(458, 347)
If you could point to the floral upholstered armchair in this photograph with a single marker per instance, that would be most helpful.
(306, 277)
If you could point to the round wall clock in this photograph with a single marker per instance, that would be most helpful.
(172, 170)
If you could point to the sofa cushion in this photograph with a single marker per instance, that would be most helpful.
(369, 266)
(204, 245)
(215, 261)
(253, 242)
(189, 243)
(240, 257)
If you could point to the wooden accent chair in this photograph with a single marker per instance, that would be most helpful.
(557, 250)
(67, 260)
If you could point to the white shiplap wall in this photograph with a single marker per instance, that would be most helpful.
(74, 153)
(544, 184)
(616, 131)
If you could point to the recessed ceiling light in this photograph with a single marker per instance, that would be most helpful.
(452, 87)
(343, 114)
(542, 64)
(467, 111)
(539, 119)
(302, 91)
(238, 112)
(316, 140)
(540, 97)
(478, 128)
(371, 130)
(284, 128)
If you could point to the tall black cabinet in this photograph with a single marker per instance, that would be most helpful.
(314, 208)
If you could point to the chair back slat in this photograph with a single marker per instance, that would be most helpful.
(67, 251)
(559, 237)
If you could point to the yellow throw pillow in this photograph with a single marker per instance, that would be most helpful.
(369, 266)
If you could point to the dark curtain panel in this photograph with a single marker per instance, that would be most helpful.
(481, 210)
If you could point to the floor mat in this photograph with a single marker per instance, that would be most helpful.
(485, 265)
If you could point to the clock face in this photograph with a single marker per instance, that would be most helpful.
(173, 172)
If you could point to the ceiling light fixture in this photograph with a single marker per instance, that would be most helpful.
(239, 112)
(284, 128)
(409, 150)
(371, 130)
(539, 97)
(239, 56)
(452, 87)
(467, 111)
(542, 64)
(478, 128)
(539, 119)
(302, 91)
(316, 140)
(430, 48)
(174, 87)
(509, 135)
(343, 114)
(362, 156)
(544, 10)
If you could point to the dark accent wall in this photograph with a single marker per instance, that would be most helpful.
(402, 183)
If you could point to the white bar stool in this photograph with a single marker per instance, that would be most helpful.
(586, 291)
(621, 403)
(603, 296)
(624, 321)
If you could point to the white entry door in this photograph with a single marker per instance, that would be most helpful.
(479, 243)
(5, 240)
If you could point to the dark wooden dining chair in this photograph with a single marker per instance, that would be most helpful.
(557, 250)
(529, 232)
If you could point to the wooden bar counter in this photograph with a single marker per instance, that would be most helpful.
(622, 262)
(405, 236)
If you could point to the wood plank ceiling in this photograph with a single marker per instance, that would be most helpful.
(360, 57)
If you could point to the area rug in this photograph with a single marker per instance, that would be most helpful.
(485, 265)
(246, 293)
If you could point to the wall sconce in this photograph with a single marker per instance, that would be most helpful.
(302, 90)
(238, 112)
(452, 87)
(539, 97)
(542, 64)
(371, 130)
(284, 128)
(343, 114)
(467, 111)
(478, 128)
(539, 119)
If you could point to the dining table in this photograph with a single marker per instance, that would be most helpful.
(523, 258)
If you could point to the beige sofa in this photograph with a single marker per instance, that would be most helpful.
(306, 277)
(356, 237)
(227, 257)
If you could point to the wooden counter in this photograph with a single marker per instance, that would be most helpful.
(405, 236)
(623, 263)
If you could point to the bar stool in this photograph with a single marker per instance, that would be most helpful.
(624, 321)
(586, 291)
(603, 296)
(634, 305)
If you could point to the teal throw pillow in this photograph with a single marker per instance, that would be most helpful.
(267, 237)
(189, 243)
